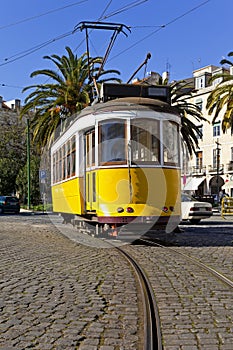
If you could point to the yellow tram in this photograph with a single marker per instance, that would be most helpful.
(118, 162)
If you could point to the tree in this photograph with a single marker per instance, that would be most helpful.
(180, 92)
(221, 98)
(68, 93)
(12, 153)
(22, 181)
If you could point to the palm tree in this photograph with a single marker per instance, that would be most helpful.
(180, 92)
(68, 93)
(221, 98)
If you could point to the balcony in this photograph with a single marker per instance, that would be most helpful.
(199, 170)
(212, 169)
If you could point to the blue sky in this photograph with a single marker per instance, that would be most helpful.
(180, 35)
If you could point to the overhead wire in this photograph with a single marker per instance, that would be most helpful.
(41, 15)
(27, 52)
(11, 86)
(33, 49)
(160, 28)
(105, 9)
(124, 8)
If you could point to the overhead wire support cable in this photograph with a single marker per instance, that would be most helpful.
(33, 49)
(125, 8)
(41, 14)
(162, 27)
(27, 52)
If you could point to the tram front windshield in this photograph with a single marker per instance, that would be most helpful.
(112, 137)
(146, 145)
(145, 141)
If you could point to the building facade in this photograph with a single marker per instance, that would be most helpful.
(210, 169)
(9, 111)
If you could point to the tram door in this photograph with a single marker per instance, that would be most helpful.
(90, 174)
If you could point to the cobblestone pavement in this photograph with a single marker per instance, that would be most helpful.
(60, 294)
(195, 308)
(56, 294)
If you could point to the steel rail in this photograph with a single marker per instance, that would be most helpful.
(214, 272)
(152, 329)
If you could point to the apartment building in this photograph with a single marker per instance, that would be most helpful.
(210, 169)
(9, 111)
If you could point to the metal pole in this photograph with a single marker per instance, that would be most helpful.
(28, 165)
(218, 160)
(148, 56)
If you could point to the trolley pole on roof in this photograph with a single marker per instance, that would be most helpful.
(148, 56)
(116, 28)
(28, 165)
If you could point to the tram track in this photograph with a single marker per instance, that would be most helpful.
(221, 277)
(198, 296)
(194, 310)
(152, 337)
(160, 326)
(152, 331)
(194, 298)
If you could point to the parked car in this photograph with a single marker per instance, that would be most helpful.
(9, 204)
(193, 210)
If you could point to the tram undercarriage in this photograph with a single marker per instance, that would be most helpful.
(138, 226)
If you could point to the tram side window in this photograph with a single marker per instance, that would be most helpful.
(60, 164)
(68, 149)
(54, 167)
(112, 145)
(73, 156)
(145, 145)
(170, 143)
(64, 161)
(90, 148)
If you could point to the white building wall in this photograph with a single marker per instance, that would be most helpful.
(208, 144)
(13, 104)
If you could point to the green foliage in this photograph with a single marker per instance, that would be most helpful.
(68, 91)
(22, 183)
(13, 159)
(180, 92)
(12, 153)
(220, 99)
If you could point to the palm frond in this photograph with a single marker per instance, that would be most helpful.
(69, 91)
(219, 101)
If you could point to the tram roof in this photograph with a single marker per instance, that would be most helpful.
(129, 103)
(121, 104)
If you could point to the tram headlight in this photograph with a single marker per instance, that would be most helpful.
(120, 210)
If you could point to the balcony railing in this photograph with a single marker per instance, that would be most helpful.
(201, 170)
(213, 169)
